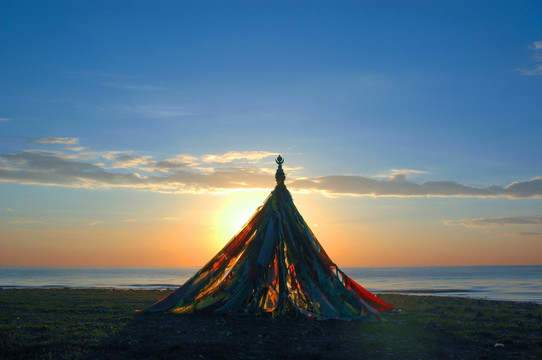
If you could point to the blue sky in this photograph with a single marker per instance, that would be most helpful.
(423, 114)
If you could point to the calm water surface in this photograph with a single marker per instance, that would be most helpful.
(513, 283)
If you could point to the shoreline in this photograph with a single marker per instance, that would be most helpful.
(447, 293)
(102, 323)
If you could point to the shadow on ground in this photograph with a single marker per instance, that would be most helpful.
(170, 336)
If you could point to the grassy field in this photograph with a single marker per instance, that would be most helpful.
(102, 324)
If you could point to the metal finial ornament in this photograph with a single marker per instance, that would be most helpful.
(279, 175)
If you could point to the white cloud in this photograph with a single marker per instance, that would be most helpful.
(498, 221)
(182, 174)
(177, 162)
(3, 119)
(128, 161)
(57, 140)
(537, 45)
(520, 189)
(250, 156)
(76, 148)
(400, 174)
(53, 168)
(124, 160)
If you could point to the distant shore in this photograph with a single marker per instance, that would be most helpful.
(102, 323)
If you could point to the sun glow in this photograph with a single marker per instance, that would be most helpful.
(236, 212)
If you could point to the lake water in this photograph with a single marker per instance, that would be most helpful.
(511, 283)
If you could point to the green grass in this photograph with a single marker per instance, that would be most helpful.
(82, 324)
(63, 323)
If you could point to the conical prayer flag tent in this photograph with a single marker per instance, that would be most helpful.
(273, 265)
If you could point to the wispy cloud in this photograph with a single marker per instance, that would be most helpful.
(535, 69)
(498, 221)
(135, 87)
(115, 80)
(97, 73)
(524, 233)
(154, 111)
(25, 221)
(354, 185)
(232, 171)
(57, 140)
(3, 119)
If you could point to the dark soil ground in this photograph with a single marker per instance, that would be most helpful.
(102, 324)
